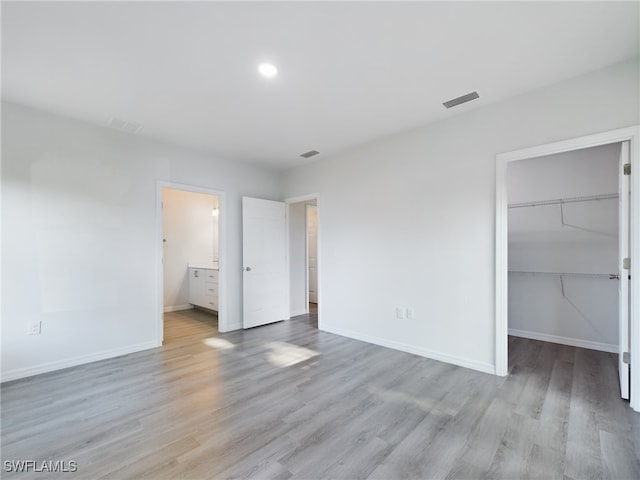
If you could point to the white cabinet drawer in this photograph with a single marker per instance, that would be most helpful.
(211, 275)
(203, 288)
(211, 303)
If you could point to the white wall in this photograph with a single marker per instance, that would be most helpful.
(587, 314)
(188, 231)
(406, 221)
(297, 256)
(79, 239)
(409, 220)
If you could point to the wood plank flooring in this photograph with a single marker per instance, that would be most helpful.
(286, 401)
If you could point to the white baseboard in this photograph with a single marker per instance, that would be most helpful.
(178, 308)
(75, 361)
(572, 342)
(423, 352)
(300, 311)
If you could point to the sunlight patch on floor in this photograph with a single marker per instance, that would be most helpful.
(283, 354)
(219, 343)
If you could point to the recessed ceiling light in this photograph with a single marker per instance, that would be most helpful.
(267, 70)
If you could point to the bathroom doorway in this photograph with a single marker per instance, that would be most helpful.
(191, 282)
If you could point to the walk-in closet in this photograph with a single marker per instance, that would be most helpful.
(563, 248)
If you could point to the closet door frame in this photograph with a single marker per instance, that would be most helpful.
(631, 134)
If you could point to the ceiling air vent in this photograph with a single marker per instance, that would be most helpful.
(123, 125)
(463, 99)
(309, 154)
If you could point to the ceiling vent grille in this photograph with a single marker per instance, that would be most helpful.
(463, 99)
(124, 126)
(309, 154)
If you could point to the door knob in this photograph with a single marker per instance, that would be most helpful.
(247, 269)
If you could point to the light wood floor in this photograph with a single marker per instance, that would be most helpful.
(289, 401)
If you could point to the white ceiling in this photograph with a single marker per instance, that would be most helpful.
(349, 72)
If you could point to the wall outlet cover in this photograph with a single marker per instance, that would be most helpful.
(35, 328)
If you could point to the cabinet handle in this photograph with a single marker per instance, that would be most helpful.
(195, 273)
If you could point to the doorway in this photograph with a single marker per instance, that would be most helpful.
(312, 255)
(563, 248)
(630, 138)
(304, 258)
(191, 280)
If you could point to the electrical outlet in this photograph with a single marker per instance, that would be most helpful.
(35, 328)
(399, 313)
(409, 314)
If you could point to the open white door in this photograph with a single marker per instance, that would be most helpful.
(264, 256)
(623, 268)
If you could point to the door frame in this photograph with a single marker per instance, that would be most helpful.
(222, 254)
(631, 134)
(304, 198)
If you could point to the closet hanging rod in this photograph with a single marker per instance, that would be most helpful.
(568, 274)
(558, 201)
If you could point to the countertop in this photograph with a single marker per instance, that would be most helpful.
(204, 265)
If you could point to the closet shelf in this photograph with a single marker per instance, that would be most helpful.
(561, 201)
(563, 275)
(568, 274)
